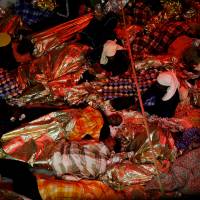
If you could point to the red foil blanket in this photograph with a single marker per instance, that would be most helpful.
(53, 37)
(60, 68)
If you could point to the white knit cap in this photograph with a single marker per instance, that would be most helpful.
(109, 49)
(168, 78)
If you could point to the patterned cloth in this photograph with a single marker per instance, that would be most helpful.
(189, 136)
(140, 12)
(183, 176)
(159, 40)
(9, 86)
(126, 87)
(89, 122)
(52, 189)
(85, 159)
(29, 13)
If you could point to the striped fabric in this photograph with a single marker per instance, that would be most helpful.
(84, 159)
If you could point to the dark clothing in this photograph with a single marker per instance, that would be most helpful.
(7, 59)
(153, 103)
(24, 182)
(118, 64)
(99, 31)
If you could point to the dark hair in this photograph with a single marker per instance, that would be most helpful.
(190, 57)
(87, 76)
(115, 119)
(155, 5)
(25, 46)
(118, 64)
(121, 103)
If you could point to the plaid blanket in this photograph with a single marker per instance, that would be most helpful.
(183, 176)
(140, 12)
(159, 40)
(88, 122)
(82, 159)
(53, 189)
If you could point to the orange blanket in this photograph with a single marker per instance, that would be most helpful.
(52, 189)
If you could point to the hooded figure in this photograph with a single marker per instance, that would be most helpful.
(162, 97)
(109, 50)
(114, 58)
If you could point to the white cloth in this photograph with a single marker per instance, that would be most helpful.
(168, 78)
(109, 49)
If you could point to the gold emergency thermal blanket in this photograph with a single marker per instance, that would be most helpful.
(35, 140)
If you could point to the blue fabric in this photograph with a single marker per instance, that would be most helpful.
(29, 13)
(189, 136)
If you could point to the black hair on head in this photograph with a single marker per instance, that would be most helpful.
(121, 103)
(190, 57)
(155, 5)
(86, 77)
(25, 46)
(118, 64)
(115, 119)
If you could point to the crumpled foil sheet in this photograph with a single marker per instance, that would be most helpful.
(122, 175)
(35, 141)
(10, 24)
(56, 71)
(47, 40)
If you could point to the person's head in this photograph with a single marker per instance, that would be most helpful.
(191, 59)
(155, 5)
(25, 46)
(115, 119)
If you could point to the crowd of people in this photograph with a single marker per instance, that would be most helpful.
(73, 110)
